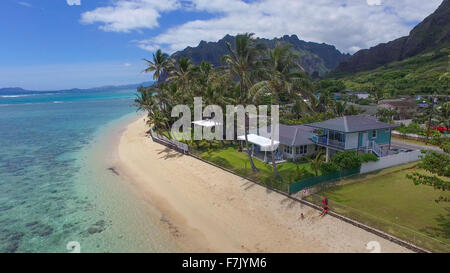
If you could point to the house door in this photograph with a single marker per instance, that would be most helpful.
(365, 139)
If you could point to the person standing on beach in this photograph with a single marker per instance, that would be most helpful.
(324, 211)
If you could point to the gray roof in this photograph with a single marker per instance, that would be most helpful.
(295, 135)
(349, 124)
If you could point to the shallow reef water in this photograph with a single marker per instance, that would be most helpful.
(50, 191)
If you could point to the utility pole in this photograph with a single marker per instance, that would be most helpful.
(429, 118)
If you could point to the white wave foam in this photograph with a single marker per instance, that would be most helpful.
(14, 96)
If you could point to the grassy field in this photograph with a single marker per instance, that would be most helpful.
(412, 141)
(228, 157)
(387, 200)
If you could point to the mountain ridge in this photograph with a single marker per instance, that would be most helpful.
(313, 56)
(431, 33)
(19, 90)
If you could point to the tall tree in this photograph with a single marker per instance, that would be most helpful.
(386, 115)
(158, 65)
(317, 162)
(437, 167)
(241, 60)
(282, 75)
(181, 72)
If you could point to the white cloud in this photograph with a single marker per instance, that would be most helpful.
(25, 4)
(373, 2)
(73, 2)
(124, 16)
(347, 24)
(127, 64)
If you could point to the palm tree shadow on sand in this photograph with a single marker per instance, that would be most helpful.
(168, 153)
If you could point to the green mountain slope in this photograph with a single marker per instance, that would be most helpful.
(416, 75)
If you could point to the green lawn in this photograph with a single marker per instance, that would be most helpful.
(387, 200)
(230, 158)
(413, 141)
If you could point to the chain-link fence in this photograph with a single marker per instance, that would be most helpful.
(316, 180)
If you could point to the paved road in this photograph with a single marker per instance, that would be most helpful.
(414, 146)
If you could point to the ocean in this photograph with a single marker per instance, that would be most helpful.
(59, 191)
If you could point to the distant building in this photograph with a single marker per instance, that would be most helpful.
(422, 105)
(349, 93)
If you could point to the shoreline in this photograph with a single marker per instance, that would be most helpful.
(206, 209)
(130, 224)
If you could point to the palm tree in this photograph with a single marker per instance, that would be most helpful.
(325, 102)
(241, 61)
(282, 68)
(352, 110)
(158, 65)
(159, 121)
(282, 75)
(299, 108)
(180, 72)
(386, 115)
(316, 163)
(376, 91)
(339, 108)
(156, 116)
(144, 100)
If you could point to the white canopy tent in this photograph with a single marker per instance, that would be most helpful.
(266, 144)
(206, 123)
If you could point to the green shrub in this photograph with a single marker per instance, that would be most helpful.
(363, 102)
(413, 128)
(302, 173)
(347, 160)
(368, 158)
(329, 167)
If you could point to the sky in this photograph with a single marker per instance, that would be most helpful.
(59, 44)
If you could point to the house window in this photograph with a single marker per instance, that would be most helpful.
(288, 149)
(374, 134)
(337, 136)
(301, 149)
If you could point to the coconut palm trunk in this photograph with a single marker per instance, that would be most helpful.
(250, 158)
(241, 59)
(274, 165)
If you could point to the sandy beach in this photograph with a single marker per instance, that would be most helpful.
(209, 210)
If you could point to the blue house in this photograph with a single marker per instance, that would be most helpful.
(362, 133)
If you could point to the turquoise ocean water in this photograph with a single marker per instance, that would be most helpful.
(57, 177)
